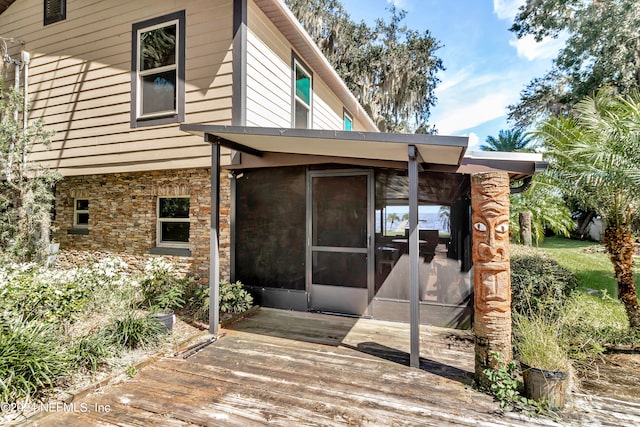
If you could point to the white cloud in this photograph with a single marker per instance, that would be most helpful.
(467, 100)
(506, 9)
(400, 4)
(527, 47)
(462, 114)
(474, 142)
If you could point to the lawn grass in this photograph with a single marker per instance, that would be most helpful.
(592, 319)
(588, 261)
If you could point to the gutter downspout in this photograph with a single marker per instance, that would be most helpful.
(26, 58)
(12, 145)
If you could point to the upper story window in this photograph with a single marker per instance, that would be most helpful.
(54, 11)
(81, 213)
(302, 92)
(173, 222)
(157, 65)
(347, 121)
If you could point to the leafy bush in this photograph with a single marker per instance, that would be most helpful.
(506, 387)
(161, 287)
(198, 302)
(48, 295)
(539, 283)
(234, 298)
(134, 330)
(31, 359)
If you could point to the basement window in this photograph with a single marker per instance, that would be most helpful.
(173, 222)
(81, 213)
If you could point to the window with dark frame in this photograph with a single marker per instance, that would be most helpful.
(158, 53)
(81, 213)
(302, 92)
(54, 11)
(173, 222)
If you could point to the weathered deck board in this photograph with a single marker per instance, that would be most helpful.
(303, 369)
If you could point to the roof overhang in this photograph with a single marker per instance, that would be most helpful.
(4, 5)
(518, 165)
(434, 149)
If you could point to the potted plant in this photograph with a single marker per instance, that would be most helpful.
(544, 362)
(165, 304)
(163, 291)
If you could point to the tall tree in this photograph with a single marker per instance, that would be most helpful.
(547, 210)
(602, 48)
(538, 208)
(508, 140)
(594, 157)
(388, 67)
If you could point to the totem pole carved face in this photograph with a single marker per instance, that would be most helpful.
(490, 222)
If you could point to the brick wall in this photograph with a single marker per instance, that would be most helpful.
(122, 215)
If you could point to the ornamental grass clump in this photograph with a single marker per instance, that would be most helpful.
(90, 352)
(32, 359)
(538, 345)
(134, 330)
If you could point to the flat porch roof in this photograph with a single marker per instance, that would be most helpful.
(443, 150)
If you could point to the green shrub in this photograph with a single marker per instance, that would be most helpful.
(41, 294)
(161, 287)
(31, 359)
(234, 298)
(198, 302)
(538, 283)
(134, 330)
(506, 388)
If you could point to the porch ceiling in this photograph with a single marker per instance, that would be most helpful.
(441, 150)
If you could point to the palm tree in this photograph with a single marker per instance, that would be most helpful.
(508, 140)
(444, 215)
(392, 218)
(595, 157)
(547, 207)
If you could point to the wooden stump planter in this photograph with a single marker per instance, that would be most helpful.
(542, 385)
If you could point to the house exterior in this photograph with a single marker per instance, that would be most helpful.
(137, 92)
(124, 160)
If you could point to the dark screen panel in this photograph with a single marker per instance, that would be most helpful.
(270, 228)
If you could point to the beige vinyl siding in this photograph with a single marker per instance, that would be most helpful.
(268, 73)
(326, 108)
(357, 125)
(269, 80)
(80, 83)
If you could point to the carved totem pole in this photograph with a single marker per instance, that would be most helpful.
(491, 281)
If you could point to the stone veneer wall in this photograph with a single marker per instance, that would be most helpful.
(122, 216)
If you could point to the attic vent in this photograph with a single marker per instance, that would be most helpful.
(54, 11)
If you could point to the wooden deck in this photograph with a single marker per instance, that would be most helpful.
(291, 369)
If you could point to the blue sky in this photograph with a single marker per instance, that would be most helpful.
(486, 66)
